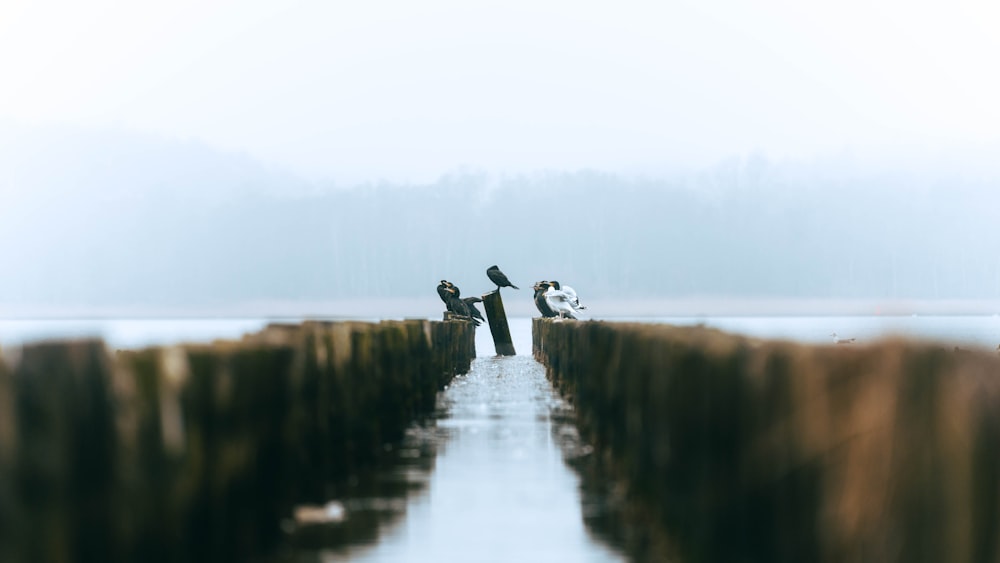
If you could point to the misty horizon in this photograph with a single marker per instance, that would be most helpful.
(161, 224)
(177, 156)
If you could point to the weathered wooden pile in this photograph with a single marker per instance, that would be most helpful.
(731, 449)
(197, 452)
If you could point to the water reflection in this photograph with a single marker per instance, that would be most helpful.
(365, 508)
(489, 484)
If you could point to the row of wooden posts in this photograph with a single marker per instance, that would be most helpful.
(197, 452)
(731, 449)
(724, 448)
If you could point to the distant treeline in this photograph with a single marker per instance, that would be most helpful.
(745, 228)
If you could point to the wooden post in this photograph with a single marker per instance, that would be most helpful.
(498, 323)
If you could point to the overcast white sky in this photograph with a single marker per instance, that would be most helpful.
(407, 90)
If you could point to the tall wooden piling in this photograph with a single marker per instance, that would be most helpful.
(497, 318)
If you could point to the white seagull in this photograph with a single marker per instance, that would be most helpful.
(559, 302)
(574, 301)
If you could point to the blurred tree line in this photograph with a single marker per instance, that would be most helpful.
(746, 227)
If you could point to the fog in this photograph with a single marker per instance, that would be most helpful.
(243, 155)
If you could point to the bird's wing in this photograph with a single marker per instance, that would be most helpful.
(557, 295)
(573, 299)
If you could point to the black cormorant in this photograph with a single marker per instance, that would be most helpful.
(443, 292)
(543, 307)
(457, 306)
(471, 303)
(498, 277)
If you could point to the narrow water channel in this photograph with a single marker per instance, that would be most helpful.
(484, 480)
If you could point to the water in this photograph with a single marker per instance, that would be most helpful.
(487, 479)
(128, 333)
(972, 331)
(500, 490)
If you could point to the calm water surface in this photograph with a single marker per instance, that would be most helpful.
(500, 490)
(983, 331)
(128, 333)
(486, 480)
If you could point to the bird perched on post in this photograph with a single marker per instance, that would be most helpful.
(473, 310)
(450, 294)
(558, 301)
(459, 307)
(540, 303)
(498, 277)
(570, 294)
(443, 292)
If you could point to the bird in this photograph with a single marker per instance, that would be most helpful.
(498, 277)
(837, 340)
(571, 293)
(473, 310)
(449, 293)
(456, 305)
(540, 303)
(443, 292)
(459, 307)
(558, 301)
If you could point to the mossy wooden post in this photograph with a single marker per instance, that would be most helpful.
(498, 323)
(68, 453)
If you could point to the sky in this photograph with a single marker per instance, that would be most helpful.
(350, 92)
